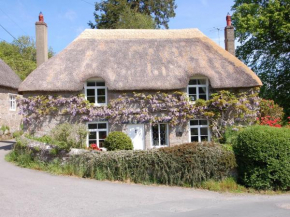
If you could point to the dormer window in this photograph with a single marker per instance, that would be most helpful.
(96, 92)
(197, 89)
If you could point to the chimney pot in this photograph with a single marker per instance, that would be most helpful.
(229, 19)
(40, 17)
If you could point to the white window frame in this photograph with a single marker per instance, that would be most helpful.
(97, 130)
(12, 102)
(96, 88)
(167, 136)
(197, 86)
(198, 128)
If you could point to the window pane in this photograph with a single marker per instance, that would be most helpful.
(203, 122)
(192, 90)
(202, 97)
(90, 92)
(204, 138)
(102, 134)
(192, 97)
(194, 131)
(101, 92)
(91, 83)
(203, 131)
(202, 90)
(194, 139)
(92, 135)
(201, 81)
(92, 142)
(100, 83)
(93, 126)
(155, 135)
(101, 99)
(102, 126)
(192, 82)
(91, 99)
(101, 143)
(163, 134)
(193, 122)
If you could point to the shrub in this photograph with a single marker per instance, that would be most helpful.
(183, 165)
(263, 157)
(17, 134)
(118, 141)
(70, 135)
(269, 108)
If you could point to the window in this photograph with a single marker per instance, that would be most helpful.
(96, 92)
(160, 135)
(198, 89)
(199, 131)
(12, 102)
(98, 132)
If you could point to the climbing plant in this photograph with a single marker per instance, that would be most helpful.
(224, 108)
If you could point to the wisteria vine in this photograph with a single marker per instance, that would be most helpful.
(223, 109)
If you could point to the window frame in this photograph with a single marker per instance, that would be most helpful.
(95, 88)
(12, 102)
(197, 88)
(97, 130)
(167, 136)
(198, 128)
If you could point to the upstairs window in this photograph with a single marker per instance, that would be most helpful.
(96, 92)
(197, 89)
(12, 102)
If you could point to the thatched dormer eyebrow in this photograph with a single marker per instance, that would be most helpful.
(140, 60)
(8, 78)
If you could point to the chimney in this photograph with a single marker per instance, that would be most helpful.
(230, 36)
(41, 40)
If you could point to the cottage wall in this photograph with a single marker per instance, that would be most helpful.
(7, 117)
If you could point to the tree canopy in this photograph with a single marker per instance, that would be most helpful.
(20, 55)
(108, 13)
(263, 29)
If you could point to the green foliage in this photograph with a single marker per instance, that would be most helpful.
(18, 133)
(226, 185)
(263, 29)
(270, 108)
(231, 134)
(130, 19)
(20, 55)
(118, 141)
(70, 135)
(108, 13)
(5, 128)
(184, 165)
(263, 157)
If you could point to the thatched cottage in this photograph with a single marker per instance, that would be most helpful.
(102, 64)
(9, 83)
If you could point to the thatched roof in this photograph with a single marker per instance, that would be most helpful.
(140, 60)
(8, 77)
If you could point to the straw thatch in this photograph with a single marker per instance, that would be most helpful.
(8, 77)
(140, 60)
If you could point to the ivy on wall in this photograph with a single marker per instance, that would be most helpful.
(224, 108)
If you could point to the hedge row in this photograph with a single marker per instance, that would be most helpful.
(183, 165)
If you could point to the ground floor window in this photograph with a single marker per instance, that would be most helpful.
(160, 135)
(98, 132)
(12, 102)
(199, 131)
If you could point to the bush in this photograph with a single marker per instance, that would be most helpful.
(183, 165)
(17, 134)
(70, 135)
(118, 141)
(263, 157)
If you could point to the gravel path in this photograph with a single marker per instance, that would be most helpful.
(25, 192)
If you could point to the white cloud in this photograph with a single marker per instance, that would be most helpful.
(70, 15)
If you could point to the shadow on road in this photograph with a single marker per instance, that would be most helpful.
(6, 145)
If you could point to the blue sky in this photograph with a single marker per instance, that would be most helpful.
(66, 19)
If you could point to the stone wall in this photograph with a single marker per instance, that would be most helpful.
(7, 117)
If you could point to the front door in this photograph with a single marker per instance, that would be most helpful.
(136, 133)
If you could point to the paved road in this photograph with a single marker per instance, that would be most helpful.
(25, 192)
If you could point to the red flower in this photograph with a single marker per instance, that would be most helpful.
(95, 147)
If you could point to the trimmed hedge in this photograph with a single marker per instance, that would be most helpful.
(183, 165)
(263, 157)
(118, 141)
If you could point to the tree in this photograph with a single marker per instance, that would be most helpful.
(20, 55)
(263, 29)
(107, 13)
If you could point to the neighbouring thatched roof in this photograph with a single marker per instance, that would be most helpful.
(140, 60)
(8, 77)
